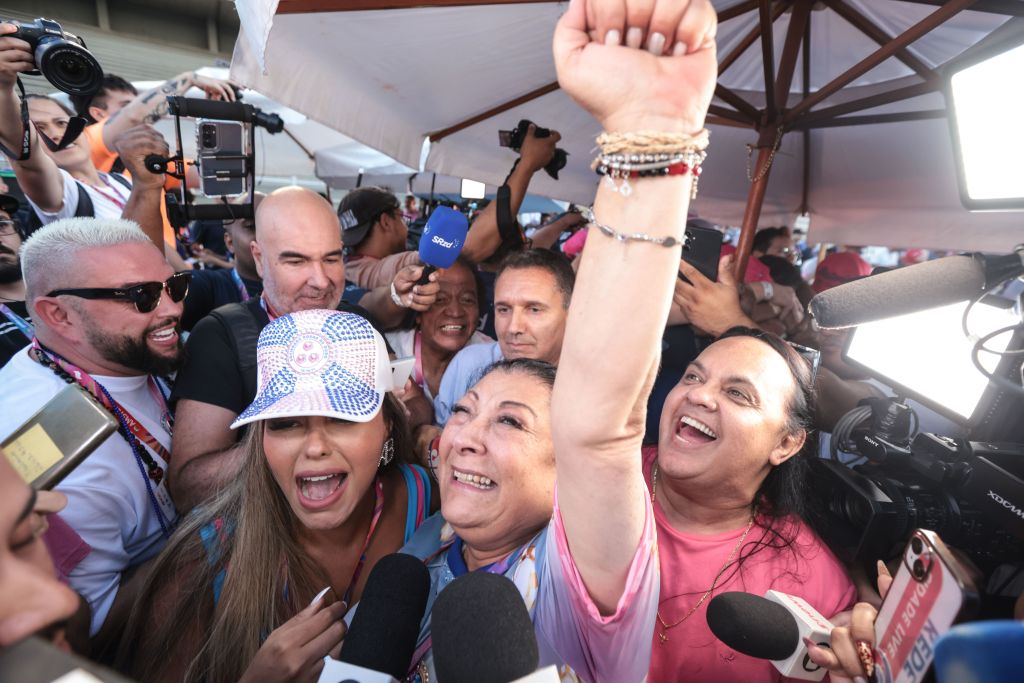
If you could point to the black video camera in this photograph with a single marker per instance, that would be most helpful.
(60, 57)
(514, 138)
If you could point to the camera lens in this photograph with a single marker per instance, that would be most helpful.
(918, 569)
(68, 67)
(208, 135)
(916, 545)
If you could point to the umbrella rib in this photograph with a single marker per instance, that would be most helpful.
(723, 113)
(869, 102)
(750, 112)
(912, 34)
(736, 10)
(767, 58)
(798, 20)
(748, 39)
(868, 119)
(1008, 7)
(860, 22)
(493, 111)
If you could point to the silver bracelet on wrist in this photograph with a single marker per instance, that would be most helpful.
(607, 230)
(768, 290)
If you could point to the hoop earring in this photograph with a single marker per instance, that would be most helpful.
(387, 453)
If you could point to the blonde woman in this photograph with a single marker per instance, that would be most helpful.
(324, 491)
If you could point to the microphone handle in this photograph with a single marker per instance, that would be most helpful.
(425, 278)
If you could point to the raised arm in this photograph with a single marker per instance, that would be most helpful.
(151, 106)
(483, 238)
(38, 175)
(623, 289)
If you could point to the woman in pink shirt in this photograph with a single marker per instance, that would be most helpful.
(727, 480)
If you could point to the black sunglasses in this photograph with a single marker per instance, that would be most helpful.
(145, 296)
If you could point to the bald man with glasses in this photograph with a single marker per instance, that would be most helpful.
(105, 309)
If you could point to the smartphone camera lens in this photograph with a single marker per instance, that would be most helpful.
(919, 569)
(209, 136)
(916, 545)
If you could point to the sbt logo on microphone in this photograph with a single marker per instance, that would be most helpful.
(441, 242)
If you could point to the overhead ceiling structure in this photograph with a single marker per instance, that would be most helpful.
(831, 108)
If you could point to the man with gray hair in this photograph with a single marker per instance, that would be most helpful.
(106, 309)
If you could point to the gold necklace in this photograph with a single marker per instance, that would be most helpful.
(665, 626)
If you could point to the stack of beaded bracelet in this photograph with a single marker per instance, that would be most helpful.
(649, 153)
(616, 167)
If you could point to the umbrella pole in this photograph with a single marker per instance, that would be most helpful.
(752, 212)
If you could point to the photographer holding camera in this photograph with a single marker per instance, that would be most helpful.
(61, 180)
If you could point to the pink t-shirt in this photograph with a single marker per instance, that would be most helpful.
(689, 563)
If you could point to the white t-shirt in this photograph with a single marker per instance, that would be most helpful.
(403, 342)
(109, 503)
(107, 202)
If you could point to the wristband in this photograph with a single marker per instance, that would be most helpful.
(768, 290)
(397, 299)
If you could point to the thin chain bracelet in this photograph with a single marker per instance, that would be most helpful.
(628, 237)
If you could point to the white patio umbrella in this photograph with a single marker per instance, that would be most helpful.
(394, 76)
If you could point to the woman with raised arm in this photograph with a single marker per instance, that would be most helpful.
(583, 552)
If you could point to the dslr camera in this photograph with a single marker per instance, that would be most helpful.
(514, 138)
(60, 57)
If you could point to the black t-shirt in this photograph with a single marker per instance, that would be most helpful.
(212, 372)
(212, 289)
(210, 234)
(12, 339)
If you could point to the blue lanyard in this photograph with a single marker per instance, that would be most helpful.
(23, 325)
(242, 291)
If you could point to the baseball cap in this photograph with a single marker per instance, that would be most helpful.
(9, 204)
(839, 268)
(319, 362)
(360, 209)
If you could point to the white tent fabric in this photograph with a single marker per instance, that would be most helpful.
(389, 78)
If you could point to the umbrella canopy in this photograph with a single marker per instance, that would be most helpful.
(866, 150)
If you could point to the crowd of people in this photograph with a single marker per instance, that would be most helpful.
(621, 442)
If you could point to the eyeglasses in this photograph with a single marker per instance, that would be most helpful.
(8, 227)
(145, 296)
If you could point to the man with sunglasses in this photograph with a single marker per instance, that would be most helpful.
(106, 308)
(15, 321)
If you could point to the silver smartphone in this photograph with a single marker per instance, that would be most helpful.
(58, 438)
(222, 158)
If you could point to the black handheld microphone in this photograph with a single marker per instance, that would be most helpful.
(383, 633)
(914, 288)
(770, 628)
(482, 631)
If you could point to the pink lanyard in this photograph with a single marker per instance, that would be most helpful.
(378, 508)
(113, 197)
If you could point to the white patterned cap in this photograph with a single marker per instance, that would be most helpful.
(322, 363)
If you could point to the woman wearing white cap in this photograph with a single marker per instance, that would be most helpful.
(324, 491)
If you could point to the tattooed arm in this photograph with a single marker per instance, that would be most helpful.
(151, 106)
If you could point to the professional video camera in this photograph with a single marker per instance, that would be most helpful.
(514, 138)
(961, 360)
(225, 157)
(60, 57)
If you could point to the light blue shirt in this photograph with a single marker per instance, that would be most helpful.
(462, 373)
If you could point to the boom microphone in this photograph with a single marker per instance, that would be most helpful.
(914, 288)
(194, 107)
(773, 628)
(383, 633)
(443, 239)
(482, 631)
